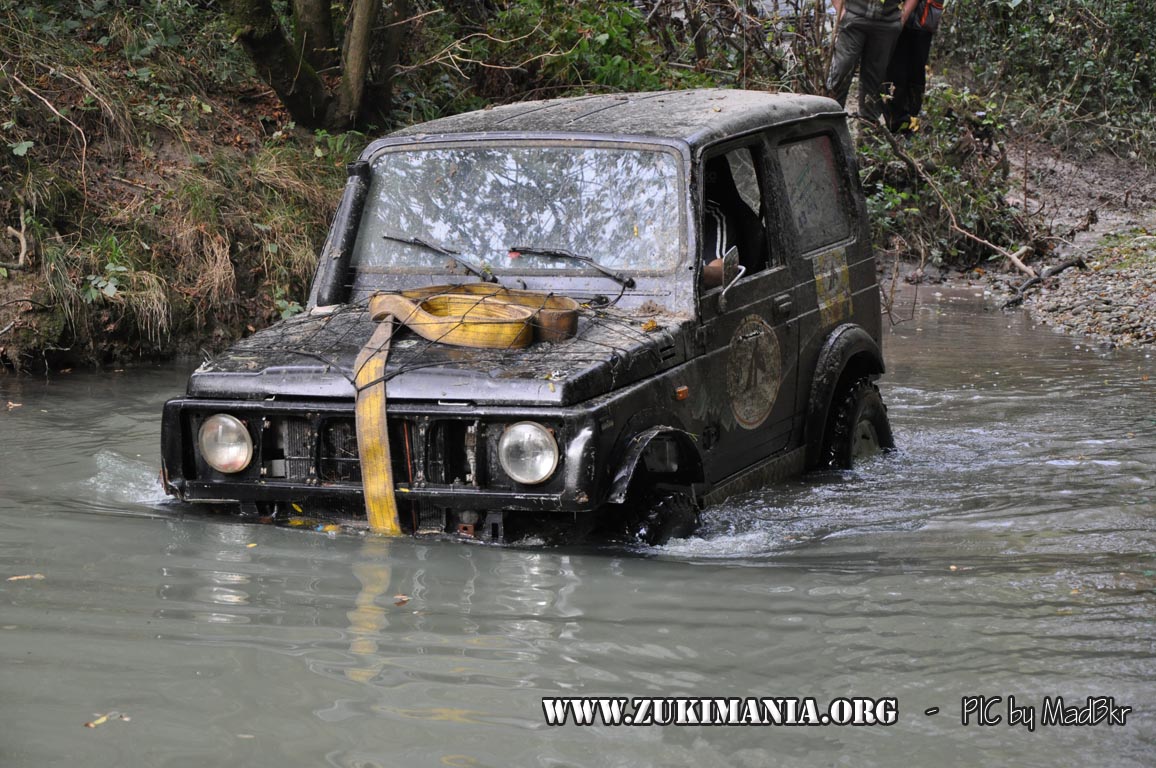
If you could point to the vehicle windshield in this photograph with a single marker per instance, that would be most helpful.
(619, 207)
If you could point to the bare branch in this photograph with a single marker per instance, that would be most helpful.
(83, 138)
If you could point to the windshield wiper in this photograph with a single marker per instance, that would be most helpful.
(433, 245)
(561, 253)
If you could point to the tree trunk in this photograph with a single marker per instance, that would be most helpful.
(698, 31)
(313, 27)
(278, 63)
(354, 62)
(377, 102)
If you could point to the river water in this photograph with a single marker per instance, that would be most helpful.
(1006, 549)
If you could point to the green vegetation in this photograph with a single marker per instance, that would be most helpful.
(938, 195)
(158, 197)
(1081, 73)
(160, 203)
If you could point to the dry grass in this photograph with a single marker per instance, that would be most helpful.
(145, 167)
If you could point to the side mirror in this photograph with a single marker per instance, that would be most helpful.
(732, 272)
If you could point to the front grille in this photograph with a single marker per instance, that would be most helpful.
(451, 457)
(287, 448)
(339, 460)
(298, 436)
(318, 448)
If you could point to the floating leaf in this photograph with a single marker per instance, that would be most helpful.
(27, 577)
(400, 600)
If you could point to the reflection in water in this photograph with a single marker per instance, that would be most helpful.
(1006, 549)
(368, 619)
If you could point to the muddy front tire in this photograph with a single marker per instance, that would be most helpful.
(859, 427)
(662, 515)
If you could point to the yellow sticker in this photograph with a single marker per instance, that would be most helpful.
(832, 286)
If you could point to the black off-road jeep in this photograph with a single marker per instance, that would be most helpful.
(727, 326)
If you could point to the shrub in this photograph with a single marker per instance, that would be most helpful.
(1080, 72)
(952, 171)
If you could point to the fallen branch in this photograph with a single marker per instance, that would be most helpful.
(7, 328)
(25, 301)
(1016, 300)
(1014, 258)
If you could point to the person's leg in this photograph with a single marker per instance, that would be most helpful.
(900, 78)
(879, 42)
(848, 51)
(921, 53)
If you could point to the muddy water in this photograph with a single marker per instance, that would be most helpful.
(1007, 549)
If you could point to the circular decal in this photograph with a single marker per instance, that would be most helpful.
(754, 371)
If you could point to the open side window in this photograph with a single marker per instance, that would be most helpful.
(732, 228)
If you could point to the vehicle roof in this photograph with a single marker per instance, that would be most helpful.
(697, 117)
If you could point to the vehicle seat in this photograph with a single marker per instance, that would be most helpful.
(728, 222)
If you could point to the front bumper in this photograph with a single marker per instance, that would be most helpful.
(444, 457)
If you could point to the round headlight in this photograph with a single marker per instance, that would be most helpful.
(528, 452)
(225, 443)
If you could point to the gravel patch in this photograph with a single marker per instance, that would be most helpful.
(1114, 301)
(1102, 208)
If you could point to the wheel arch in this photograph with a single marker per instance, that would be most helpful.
(849, 353)
(689, 465)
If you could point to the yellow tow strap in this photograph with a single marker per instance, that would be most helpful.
(373, 432)
(477, 315)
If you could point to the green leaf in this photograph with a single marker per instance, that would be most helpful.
(3, 273)
(20, 148)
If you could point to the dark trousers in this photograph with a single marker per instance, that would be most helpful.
(907, 73)
(864, 43)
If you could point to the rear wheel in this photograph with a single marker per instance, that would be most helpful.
(859, 427)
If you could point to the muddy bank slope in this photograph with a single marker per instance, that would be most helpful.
(1103, 211)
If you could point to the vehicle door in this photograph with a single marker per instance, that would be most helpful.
(749, 334)
(836, 272)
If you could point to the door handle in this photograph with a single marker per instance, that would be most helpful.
(783, 306)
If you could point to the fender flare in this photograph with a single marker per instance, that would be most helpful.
(636, 449)
(848, 351)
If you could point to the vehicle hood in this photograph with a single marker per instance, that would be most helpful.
(312, 355)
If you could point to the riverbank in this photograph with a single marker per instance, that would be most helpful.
(157, 200)
(1101, 210)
